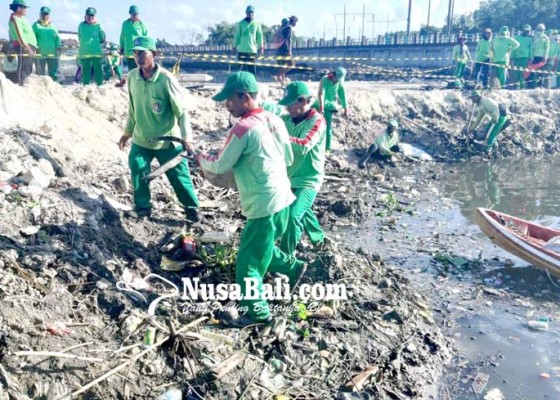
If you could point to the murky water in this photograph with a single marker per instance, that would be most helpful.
(514, 356)
(490, 332)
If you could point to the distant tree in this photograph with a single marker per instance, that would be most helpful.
(426, 30)
(221, 34)
(162, 43)
(463, 23)
(191, 37)
(516, 13)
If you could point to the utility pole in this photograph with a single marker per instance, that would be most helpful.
(363, 21)
(429, 9)
(408, 20)
(450, 16)
(344, 26)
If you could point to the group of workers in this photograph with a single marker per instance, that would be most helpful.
(278, 161)
(524, 55)
(278, 165)
(40, 45)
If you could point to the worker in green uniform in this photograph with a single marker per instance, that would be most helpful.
(483, 57)
(258, 150)
(307, 129)
(385, 143)
(49, 45)
(498, 118)
(156, 106)
(539, 57)
(553, 54)
(461, 56)
(248, 40)
(112, 66)
(91, 36)
(520, 56)
(330, 97)
(502, 46)
(22, 38)
(130, 30)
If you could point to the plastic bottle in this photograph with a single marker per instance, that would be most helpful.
(216, 237)
(540, 324)
(171, 394)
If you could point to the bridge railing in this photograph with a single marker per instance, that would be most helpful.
(381, 40)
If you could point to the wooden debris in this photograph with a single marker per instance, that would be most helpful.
(228, 364)
(358, 381)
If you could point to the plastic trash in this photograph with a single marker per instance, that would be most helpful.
(188, 244)
(216, 237)
(171, 394)
(541, 324)
(553, 244)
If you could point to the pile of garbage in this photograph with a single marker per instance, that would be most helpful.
(92, 300)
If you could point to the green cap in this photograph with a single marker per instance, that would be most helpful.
(134, 10)
(475, 93)
(113, 46)
(504, 29)
(20, 3)
(340, 72)
(526, 27)
(293, 92)
(238, 82)
(90, 11)
(249, 9)
(144, 43)
(45, 10)
(394, 123)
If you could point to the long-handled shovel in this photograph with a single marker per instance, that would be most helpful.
(186, 153)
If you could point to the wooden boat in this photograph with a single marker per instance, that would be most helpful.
(522, 238)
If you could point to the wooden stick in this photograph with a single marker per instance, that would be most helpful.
(133, 360)
(55, 354)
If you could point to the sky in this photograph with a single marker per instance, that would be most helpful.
(176, 20)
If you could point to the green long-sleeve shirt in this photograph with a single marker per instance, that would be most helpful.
(332, 92)
(48, 39)
(156, 107)
(258, 150)
(502, 46)
(129, 31)
(384, 142)
(541, 46)
(248, 37)
(308, 146)
(483, 50)
(21, 32)
(486, 107)
(91, 37)
(524, 49)
(461, 53)
(554, 51)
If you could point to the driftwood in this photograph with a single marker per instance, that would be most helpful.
(228, 364)
(358, 381)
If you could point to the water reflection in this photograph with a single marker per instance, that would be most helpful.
(528, 188)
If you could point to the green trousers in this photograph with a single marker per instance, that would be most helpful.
(259, 254)
(131, 63)
(108, 72)
(41, 65)
(328, 114)
(501, 72)
(87, 64)
(460, 69)
(302, 218)
(495, 130)
(139, 161)
(520, 62)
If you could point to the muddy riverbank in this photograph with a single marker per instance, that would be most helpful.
(65, 241)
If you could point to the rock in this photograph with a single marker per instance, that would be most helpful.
(379, 177)
(29, 230)
(131, 323)
(121, 184)
(46, 168)
(36, 177)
